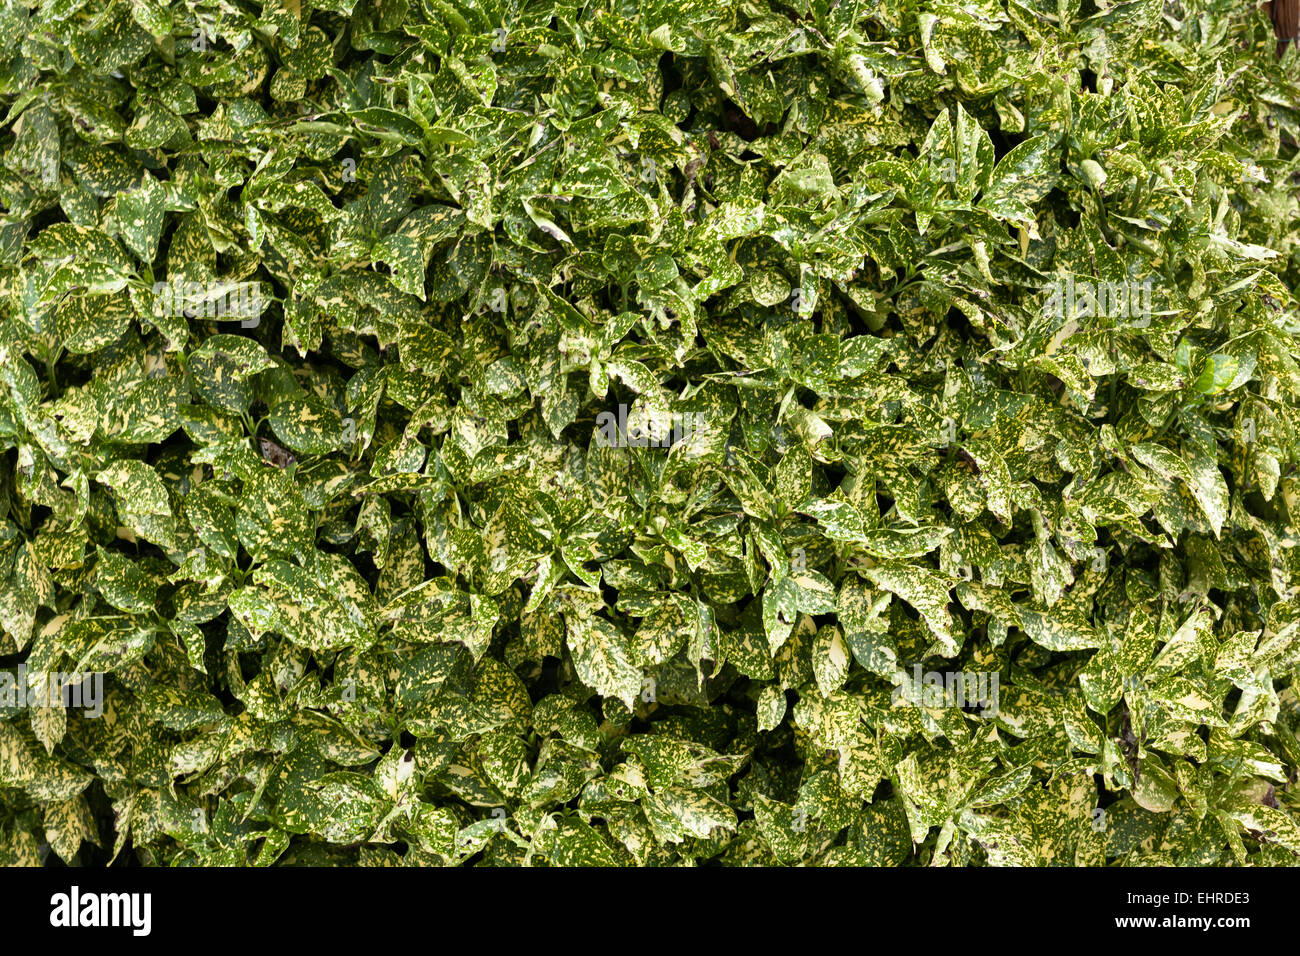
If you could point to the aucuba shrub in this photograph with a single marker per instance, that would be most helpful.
(648, 432)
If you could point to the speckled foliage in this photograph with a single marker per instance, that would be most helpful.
(740, 432)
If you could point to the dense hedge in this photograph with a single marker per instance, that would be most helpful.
(739, 432)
